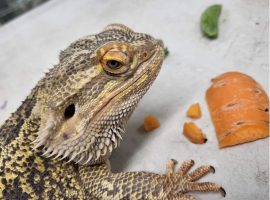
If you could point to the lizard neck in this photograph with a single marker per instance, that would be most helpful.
(15, 123)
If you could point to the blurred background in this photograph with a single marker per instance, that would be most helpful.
(9, 9)
(31, 42)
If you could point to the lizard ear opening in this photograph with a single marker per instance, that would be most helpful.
(69, 111)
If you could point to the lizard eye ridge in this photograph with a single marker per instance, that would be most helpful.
(115, 62)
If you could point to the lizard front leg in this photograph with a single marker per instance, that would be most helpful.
(103, 184)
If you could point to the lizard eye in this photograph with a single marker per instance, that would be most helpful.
(69, 111)
(113, 64)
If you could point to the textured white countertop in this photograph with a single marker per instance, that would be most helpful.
(30, 45)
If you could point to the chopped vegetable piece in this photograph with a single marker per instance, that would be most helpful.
(209, 21)
(193, 133)
(239, 108)
(194, 111)
(150, 123)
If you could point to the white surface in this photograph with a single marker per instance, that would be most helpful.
(30, 45)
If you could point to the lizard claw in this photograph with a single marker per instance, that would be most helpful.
(170, 166)
(222, 191)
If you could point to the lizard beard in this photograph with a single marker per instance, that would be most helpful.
(97, 138)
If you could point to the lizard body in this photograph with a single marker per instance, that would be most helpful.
(57, 144)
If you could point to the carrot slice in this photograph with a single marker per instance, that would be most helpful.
(194, 133)
(194, 111)
(239, 109)
(150, 123)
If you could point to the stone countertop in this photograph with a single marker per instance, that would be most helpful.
(30, 45)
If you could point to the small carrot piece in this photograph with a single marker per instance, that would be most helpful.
(239, 108)
(150, 123)
(194, 111)
(194, 133)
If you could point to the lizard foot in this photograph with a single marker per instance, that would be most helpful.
(179, 182)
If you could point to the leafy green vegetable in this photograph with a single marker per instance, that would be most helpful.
(209, 21)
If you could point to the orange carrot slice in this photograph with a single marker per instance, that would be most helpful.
(150, 123)
(239, 108)
(194, 133)
(194, 111)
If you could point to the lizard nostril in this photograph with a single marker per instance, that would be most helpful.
(145, 54)
(69, 111)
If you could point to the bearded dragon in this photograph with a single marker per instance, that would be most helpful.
(57, 144)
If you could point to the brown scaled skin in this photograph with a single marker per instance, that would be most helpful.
(57, 144)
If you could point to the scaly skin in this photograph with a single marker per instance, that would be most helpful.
(57, 144)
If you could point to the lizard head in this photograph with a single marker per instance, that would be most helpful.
(84, 102)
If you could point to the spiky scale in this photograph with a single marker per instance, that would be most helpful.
(107, 141)
(110, 148)
(47, 151)
(59, 154)
(72, 157)
(90, 156)
(104, 150)
(54, 152)
(82, 156)
(113, 138)
(66, 154)
(98, 152)
(101, 145)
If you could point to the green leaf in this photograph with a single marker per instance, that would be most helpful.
(209, 21)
